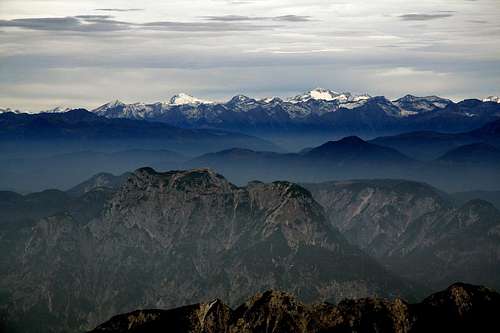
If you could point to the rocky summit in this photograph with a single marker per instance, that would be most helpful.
(459, 308)
(165, 239)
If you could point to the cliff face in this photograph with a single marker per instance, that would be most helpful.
(459, 308)
(164, 239)
(376, 215)
(415, 230)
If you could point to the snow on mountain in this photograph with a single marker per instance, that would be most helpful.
(494, 99)
(58, 109)
(185, 99)
(118, 109)
(115, 104)
(9, 110)
(411, 105)
(241, 103)
(185, 110)
(271, 100)
(320, 94)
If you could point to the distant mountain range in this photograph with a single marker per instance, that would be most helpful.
(459, 308)
(315, 115)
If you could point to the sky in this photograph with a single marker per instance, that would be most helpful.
(84, 53)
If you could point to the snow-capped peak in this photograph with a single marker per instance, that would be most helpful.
(185, 99)
(494, 99)
(322, 94)
(241, 99)
(411, 105)
(114, 104)
(316, 94)
(269, 100)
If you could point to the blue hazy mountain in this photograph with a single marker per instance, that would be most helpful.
(350, 157)
(474, 153)
(427, 145)
(467, 167)
(84, 129)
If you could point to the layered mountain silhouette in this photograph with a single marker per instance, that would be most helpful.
(348, 157)
(60, 149)
(164, 239)
(474, 154)
(426, 145)
(352, 157)
(459, 308)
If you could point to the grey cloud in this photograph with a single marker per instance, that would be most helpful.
(119, 9)
(232, 18)
(423, 17)
(94, 17)
(43, 23)
(478, 21)
(104, 23)
(236, 18)
(84, 23)
(293, 18)
(205, 26)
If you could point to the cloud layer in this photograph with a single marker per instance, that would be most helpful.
(85, 52)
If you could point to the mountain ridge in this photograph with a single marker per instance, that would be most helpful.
(459, 308)
(318, 115)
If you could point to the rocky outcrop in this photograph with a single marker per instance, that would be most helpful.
(376, 214)
(416, 230)
(459, 308)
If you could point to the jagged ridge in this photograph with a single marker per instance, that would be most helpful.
(459, 308)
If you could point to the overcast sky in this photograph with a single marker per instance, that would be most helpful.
(85, 53)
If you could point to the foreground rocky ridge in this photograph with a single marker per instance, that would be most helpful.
(164, 239)
(459, 308)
